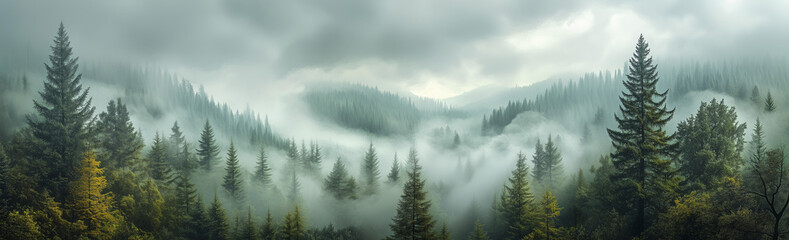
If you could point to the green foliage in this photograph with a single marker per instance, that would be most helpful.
(62, 126)
(642, 148)
(549, 211)
(394, 172)
(120, 145)
(185, 195)
(294, 227)
(443, 233)
(311, 159)
(232, 180)
(769, 105)
(207, 150)
(158, 162)
(370, 171)
(218, 227)
(413, 219)
(269, 229)
(548, 169)
(249, 230)
(263, 170)
(478, 233)
(89, 204)
(339, 183)
(710, 144)
(516, 204)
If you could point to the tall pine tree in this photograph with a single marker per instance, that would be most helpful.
(269, 229)
(394, 173)
(769, 105)
(516, 204)
(157, 159)
(218, 228)
(413, 219)
(89, 203)
(207, 150)
(370, 172)
(642, 148)
(263, 170)
(65, 116)
(232, 181)
(294, 227)
(121, 146)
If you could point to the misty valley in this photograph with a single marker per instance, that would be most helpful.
(658, 148)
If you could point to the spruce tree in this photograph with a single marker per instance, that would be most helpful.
(554, 170)
(548, 214)
(249, 232)
(538, 160)
(120, 144)
(758, 147)
(177, 142)
(516, 204)
(394, 173)
(269, 229)
(218, 228)
(370, 172)
(89, 203)
(207, 150)
(756, 98)
(313, 162)
(478, 233)
(232, 181)
(186, 163)
(642, 148)
(769, 105)
(294, 227)
(305, 156)
(443, 232)
(336, 182)
(413, 219)
(185, 195)
(64, 118)
(293, 156)
(263, 170)
(295, 188)
(157, 157)
(198, 222)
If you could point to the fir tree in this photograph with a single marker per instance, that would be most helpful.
(218, 228)
(413, 219)
(394, 173)
(517, 203)
(262, 170)
(554, 170)
(370, 172)
(538, 160)
(478, 233)
(198, 223)
(249, 232)
(756, 98)
(157, 157)
(443, 233)
(121, 146)
(207, 149)
(293, 156)
(65, 117)
(177, 141)
(232, 181)
(185, 195)
(89, 204)
(549, 212)
(758, 147)
(642, 147)
(313, 161)
(186, 163)
(338, 181)
(269, 229)
(294, 227)
(769, 105)
(305, 156)
(295, 187)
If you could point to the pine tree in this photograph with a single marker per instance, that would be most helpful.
(413, 219)
(177, 142)
(538, 160)
(295, 187)
(549, 212)
(394, 173)
(370, 172)
(249, 232)
(157, 157)
(294, 228)
(121, 146)
(554, 170)
(769, 105)
(337, 182)
(207, 149)
(758, 147)
(305, 156)
(314, 158)
(756, 98)
(65, 117)
(517, 203)
(185, 195)
(89, 204)
(580, 198)
(232, 181)
(478, 233)
(186, 163)
(269, 229)
(293, 156)
(642, 147)
(263, 171)
(443, 233)
(456, 141)
(218, 228)
(198, 223)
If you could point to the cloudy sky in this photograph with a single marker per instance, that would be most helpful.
(430, 48)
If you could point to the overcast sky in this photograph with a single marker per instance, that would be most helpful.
(430, 48)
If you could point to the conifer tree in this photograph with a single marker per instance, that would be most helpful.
(295, 187)
(263, 170)
(370, 172)
(394, 173)
(218, 228)
(548, 214)
(249, 232)
(338, 181)
(121, 146)
(232, 181)
(769, 105)
(157, 157)
(642, 147)
(198, 222)
(313, 161)
(517, 203)
(64, 119)
(269, 229)
(478, 233)
(538, 160)
(207, 150)
(177, 142)
(553, 168)
(293, 156)
(186, 163)
(413, 219)
(294, 227)
(443, 233)
(305, 156)
(758, 147)
(756, 98)
(185, 195)
(89, 204)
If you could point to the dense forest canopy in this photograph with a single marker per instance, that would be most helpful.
(92, 148)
